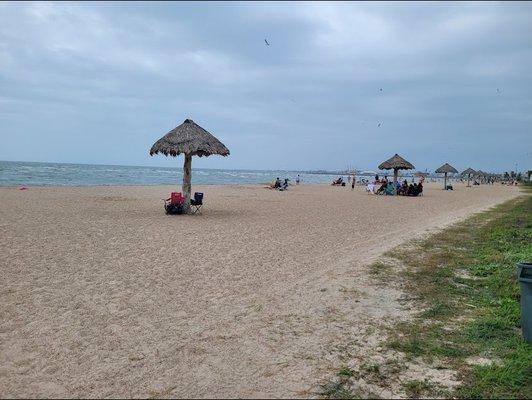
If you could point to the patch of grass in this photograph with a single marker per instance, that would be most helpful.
(465, 277)
(412, 345)
(512, 379)
(437, 309)
(338, 390)
(380, 268)
(415, 389)
(346, 372)
(370, 368)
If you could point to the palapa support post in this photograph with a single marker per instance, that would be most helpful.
(187, 168)
(395, 172)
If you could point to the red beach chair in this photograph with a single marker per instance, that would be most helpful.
(174, 205)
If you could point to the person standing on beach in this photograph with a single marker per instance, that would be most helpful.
(297, 179)
(353, 180)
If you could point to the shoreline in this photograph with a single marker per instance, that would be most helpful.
(178, 185)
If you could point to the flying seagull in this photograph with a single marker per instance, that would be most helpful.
(380, 90)
(379, 124)
(498, 90)
(265, 41)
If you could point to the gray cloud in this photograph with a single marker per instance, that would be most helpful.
(84, 82)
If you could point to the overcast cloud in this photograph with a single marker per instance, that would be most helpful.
(100, 82)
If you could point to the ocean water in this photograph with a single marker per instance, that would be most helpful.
(53, 174)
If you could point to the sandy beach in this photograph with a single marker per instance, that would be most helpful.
(103, 295)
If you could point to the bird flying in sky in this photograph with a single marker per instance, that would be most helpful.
(265, 41)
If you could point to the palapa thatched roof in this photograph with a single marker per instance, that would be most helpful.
(396, 162)
(189, 138)
(469, 171)
(446, 168)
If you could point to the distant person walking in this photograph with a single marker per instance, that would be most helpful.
(353, 180)
(298, 179)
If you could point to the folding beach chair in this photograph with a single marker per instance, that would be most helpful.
(174, 205)
(196, 202)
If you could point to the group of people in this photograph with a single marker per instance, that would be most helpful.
(404, 189)
(283, 185)
(338, 182)
(351, 180)
(278, 185)
(510, 183)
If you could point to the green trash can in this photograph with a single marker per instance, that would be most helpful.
(524, 274)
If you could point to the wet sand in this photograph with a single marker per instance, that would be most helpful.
(103, 295)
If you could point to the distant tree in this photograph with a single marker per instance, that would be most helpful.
(506, 175)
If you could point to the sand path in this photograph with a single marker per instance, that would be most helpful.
(103, 295)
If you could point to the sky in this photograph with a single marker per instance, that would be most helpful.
(339, 85)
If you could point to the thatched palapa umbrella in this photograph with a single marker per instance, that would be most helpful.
(189, 139)
(396, 163)
(470, 171)
(445, 169)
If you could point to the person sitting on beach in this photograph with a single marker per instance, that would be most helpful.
(419, 189)
(370, 188)
(338, 181)
(390, 189)
(382, 188)
(404, 188)
(410, 190)
(284, 186)
(277, 183)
